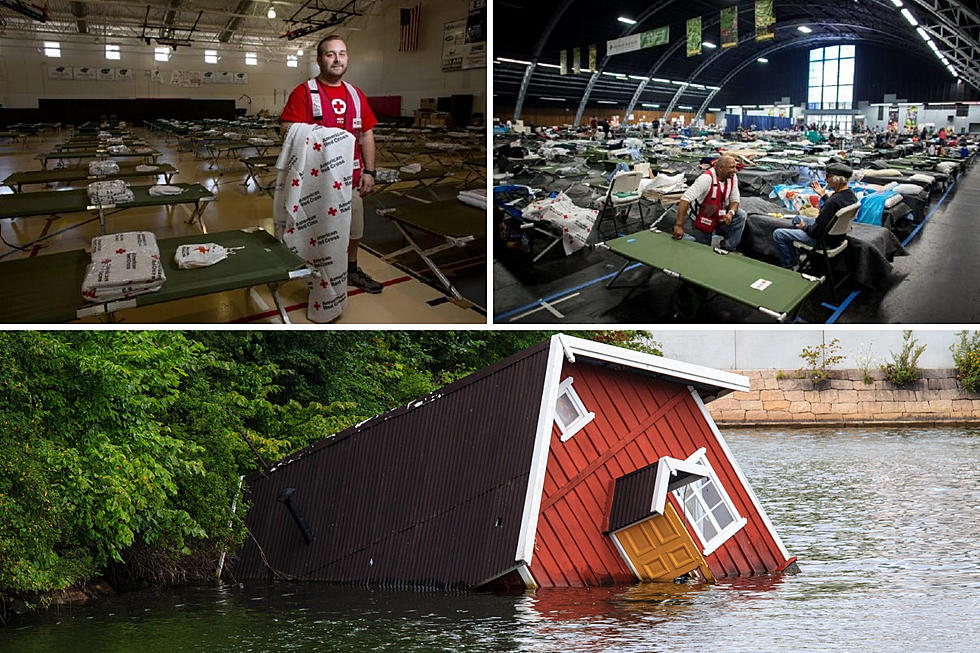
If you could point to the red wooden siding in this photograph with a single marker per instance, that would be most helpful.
(638, 419)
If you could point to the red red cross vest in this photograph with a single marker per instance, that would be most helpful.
(355, 102)
(713, 202)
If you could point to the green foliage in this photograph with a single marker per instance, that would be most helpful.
(865, 360)
(903, 369)
(819, 360)
(966, 355)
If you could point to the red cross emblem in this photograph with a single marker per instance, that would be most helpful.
(121, 250)
(307, 141)
(336, 185)
(332, 211)
(295, 208)
(295, 182)
(565, 216)
(317, 146)
(106, 261)
(316, 306)
(323, 284)
(315, 172)
(339, 106)
(88, 293)
(312, 242)
(202, 249)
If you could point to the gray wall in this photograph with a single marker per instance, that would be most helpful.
(780, 349)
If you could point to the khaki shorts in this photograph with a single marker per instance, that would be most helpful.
(356, 216)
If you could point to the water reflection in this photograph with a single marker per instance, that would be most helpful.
(884, 523)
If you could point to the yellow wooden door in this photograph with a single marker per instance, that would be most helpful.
(661, 549)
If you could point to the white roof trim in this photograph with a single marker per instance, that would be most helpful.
(740, 475)
(539, 457)
(682, 372)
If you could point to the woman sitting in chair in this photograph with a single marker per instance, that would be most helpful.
(809, 230)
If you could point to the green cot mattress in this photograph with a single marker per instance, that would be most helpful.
(22, 205)
(48, 288)
(68, 175)
(444, 218)
(771, 289)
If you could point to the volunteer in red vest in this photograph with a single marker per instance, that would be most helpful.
(710, 206)
(328, 100)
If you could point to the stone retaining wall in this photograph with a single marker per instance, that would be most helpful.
(846, 399)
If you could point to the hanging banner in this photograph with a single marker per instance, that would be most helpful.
(576, 60)
(648, 39)
(729, 27)
(106, 74)
(84, 73)
(124, 73)
(156, 76)
(453, 45)
(764, 20)
(208, 77)
(563, 62)
(59, 72)
(693, 36)
(592, 58)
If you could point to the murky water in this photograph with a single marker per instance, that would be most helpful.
(885, 524)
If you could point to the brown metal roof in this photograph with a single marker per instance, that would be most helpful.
(427, 495)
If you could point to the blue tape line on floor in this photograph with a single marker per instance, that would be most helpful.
(567, 291)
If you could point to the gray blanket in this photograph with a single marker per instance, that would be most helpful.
(869, 252)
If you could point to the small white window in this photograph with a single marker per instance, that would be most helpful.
(161, 54)
(210, 56)
(291, 61)
(708, 508)
(112, 51)
(52, 49)
(570, 414)
(251, 59)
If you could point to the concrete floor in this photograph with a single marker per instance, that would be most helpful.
(938, 283)
(409, 296)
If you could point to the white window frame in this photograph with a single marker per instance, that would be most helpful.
(292, 61)
(251, 59)
(723, 535)
(52, 49)
(210, 56)
(112, 52)
(161, 53)
(584, 416)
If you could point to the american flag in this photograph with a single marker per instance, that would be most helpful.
(410, 19)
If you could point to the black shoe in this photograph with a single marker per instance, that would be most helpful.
(360, 279)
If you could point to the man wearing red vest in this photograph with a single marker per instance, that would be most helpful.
(715, 198)
(328, 100)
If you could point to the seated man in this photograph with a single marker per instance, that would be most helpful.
(715, 197)
(808, 230)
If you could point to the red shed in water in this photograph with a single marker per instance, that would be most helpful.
(572, 463)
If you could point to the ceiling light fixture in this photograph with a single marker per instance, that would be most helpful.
(709, 45)
(299, 53)
(628, 21)
(762, 60)
(271, 13)
(804, 29)
(909, 17)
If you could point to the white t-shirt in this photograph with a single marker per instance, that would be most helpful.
(696, 193)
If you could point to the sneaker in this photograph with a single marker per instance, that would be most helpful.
(360, 279)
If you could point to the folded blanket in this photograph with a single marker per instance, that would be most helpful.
(123, 265)
(386, 175)
(199, 255)
(476, 197)
(118, 149)
(411, 168)
(104, 193)
(103, 168)
(145, 167)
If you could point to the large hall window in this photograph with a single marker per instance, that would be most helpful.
(831, 79)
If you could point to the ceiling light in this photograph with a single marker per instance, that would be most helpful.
(299, 53)
(909, 17)
(651, 106)
(714, 109)
(628, 21)
(506, 60)
(556, 99)
(897, 3)
(550, 65)
(662, 81)
(804, 29)
(709, 45)
(762, 60)
(922, 33)
(685, 108)
(605, 102)
(271, 13)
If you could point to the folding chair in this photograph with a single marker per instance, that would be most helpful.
(623, 193)
(840, 225)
